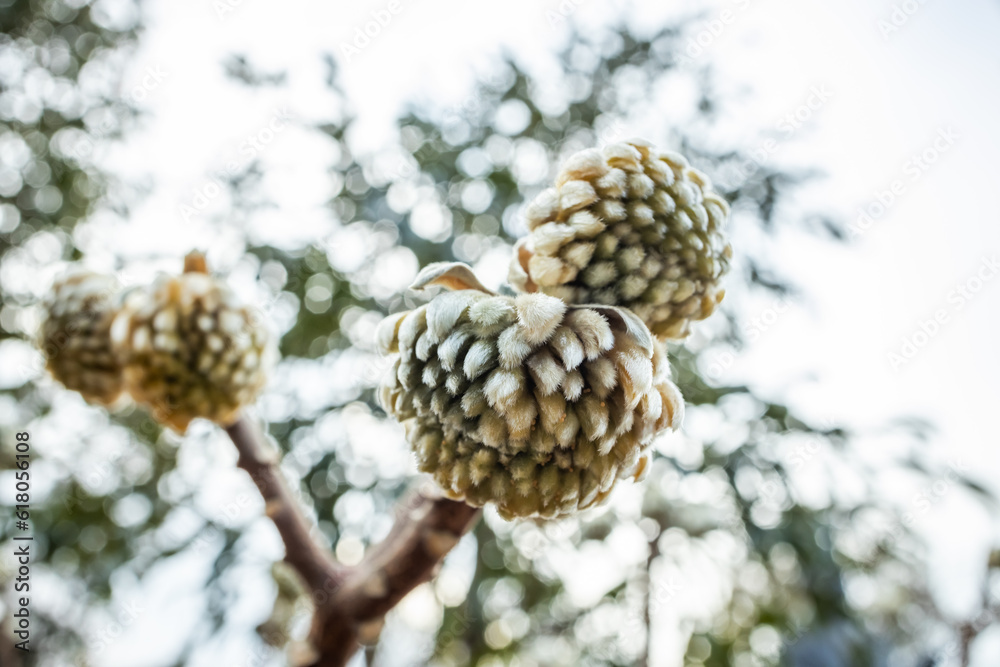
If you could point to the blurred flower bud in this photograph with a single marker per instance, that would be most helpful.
(76, 336)
(189, 349)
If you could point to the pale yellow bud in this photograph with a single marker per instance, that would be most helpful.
(208, 356)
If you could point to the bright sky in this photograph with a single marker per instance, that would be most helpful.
(879, 98)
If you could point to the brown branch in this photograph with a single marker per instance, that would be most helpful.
(315, 564)
(426, 529)
(351, 602)
(9, 654)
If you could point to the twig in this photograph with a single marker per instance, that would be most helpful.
(654, 552)
(352, 602)
(971, 629)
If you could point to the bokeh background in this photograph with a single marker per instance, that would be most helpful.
(830, 499)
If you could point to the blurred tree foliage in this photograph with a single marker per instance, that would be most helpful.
(723, 543)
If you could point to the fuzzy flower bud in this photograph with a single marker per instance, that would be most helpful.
(189, 349)
(629, 226)
(523, 401)
(76, 336)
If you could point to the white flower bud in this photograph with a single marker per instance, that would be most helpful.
(628, 226)
(525, 402)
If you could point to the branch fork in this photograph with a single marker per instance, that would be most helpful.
(351, 602)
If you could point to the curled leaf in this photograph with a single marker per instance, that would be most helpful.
(452, 275)
(624, 320)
